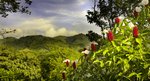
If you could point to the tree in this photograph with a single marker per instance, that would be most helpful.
(13, 6)
(93, 36)
(106, 10)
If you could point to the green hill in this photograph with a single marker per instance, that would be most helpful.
(39, 41)
(38, 58)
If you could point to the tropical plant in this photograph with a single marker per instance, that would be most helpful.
(125, 56)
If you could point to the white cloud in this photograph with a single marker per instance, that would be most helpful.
(40, 27)
(52, 19)
(81, 2)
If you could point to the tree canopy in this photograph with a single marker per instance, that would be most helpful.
(13, 6)
(104, 11)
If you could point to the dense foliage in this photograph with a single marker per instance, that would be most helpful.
(103, 12)
(36, 58)
(124, 56)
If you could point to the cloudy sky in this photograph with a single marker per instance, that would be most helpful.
(51, 18)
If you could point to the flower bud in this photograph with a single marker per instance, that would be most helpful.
(67, 61)
(135, 31)
(136, 14)
(117, 20)
(93, 47)
(64, 75)
(110, 36)
(74, 64)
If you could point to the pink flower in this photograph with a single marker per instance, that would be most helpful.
(135, 31)
(67, 61)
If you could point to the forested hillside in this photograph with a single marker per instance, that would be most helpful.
(41, 42)
(37, 57)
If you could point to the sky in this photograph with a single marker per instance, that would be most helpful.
(51, 18)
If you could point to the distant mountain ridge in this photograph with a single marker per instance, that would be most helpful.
(38, 41)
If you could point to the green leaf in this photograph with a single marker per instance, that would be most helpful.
(114, 58)
(105, 51)
(146, 66)
(144, 34)
(109, 63)
(99, 51)
(118, 48)
(139, 75)
(101, 63)
(138, 40)
(132, 74)
(124, 41)
(119, 62)
(96, 61)
(93, 57)
(126, 65)
(120, 74)
(113, 43)
(125, 48)
(146, 31)
(127, 43)
(130, 57)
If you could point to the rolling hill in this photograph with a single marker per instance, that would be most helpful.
(39, 41)
(38, 58)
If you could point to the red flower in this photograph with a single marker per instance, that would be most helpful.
(93, 47)
(74, 65)
(64, 75)
(110, 36)
(117, 20)
(136, 14)
(135, 31)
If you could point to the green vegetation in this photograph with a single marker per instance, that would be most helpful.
(37, 58)
(125, 56)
